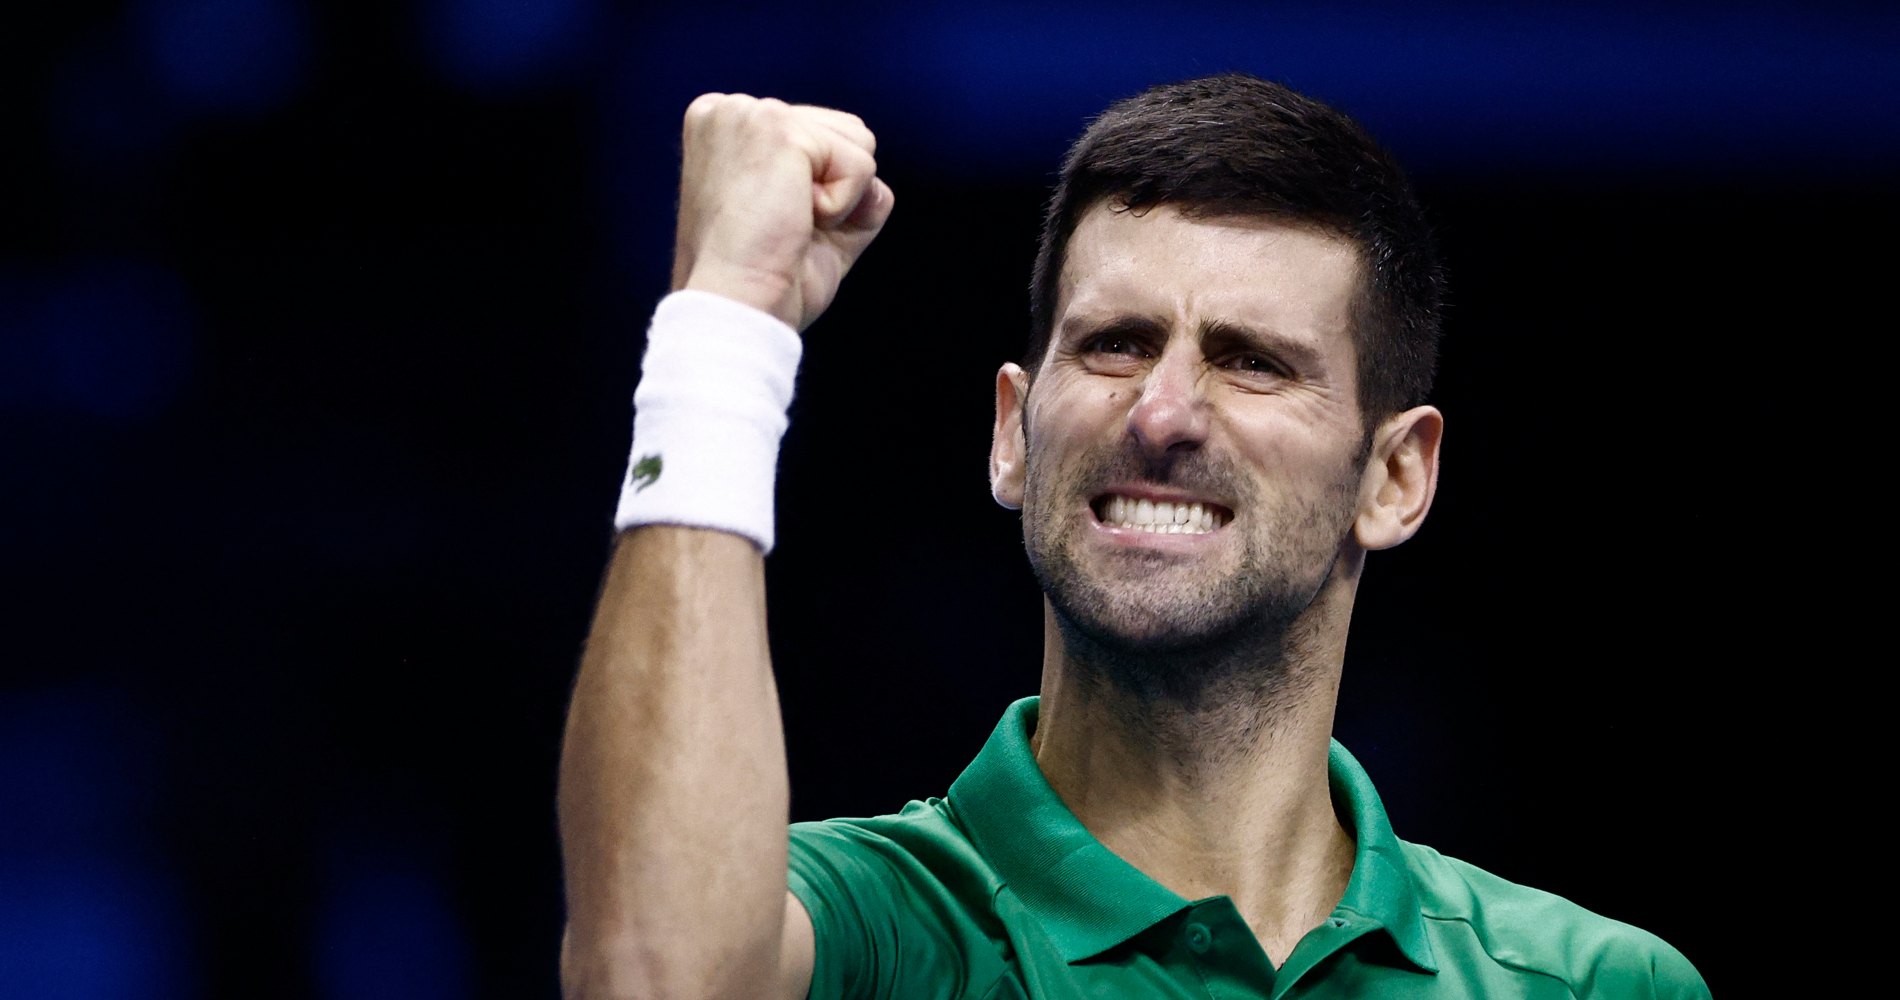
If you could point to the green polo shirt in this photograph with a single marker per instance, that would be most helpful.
(999, 891)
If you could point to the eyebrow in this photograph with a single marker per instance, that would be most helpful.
(1213, 334)
(1223, 333)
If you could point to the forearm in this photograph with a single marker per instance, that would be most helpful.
(673, 794)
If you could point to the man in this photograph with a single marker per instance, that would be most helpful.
(1222, 412)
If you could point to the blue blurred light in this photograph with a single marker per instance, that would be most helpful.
(1537, 86)
(229, 56)
(110, 338)
(1002, 87)
(82, 914)
(386, 931)
(485, 44)
(88, 930)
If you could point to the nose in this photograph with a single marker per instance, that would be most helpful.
(1171, 413)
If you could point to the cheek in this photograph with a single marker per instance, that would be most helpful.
(1089, 410)
(1295, 457)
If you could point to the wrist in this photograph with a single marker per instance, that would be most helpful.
(709, 411)
(755, 287)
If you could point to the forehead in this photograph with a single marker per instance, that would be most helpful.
(1285, 278)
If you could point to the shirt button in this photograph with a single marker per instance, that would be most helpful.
(1199, 939)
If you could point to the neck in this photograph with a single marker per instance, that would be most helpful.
(1207, 769)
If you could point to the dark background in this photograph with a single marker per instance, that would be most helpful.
(321, 323)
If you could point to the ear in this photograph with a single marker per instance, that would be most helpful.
(1008, 447)
(1401, 476)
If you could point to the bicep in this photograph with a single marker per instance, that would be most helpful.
(796, 950)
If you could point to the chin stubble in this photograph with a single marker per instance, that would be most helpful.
(1190, 645)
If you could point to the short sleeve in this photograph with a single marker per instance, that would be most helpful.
(1644, 965)
(883, 923)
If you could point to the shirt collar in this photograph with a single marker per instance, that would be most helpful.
(1089, 900)
(1381, 887)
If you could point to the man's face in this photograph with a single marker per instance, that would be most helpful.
(1194, 441)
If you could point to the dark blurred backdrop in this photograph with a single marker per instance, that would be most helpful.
(321, 323)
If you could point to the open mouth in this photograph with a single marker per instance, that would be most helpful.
(1160, 517)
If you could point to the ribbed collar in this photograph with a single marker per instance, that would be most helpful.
(1089, 900)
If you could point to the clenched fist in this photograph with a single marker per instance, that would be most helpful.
(776, 202)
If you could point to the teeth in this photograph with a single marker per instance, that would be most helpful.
(1165, 517)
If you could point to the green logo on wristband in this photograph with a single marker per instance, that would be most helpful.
(645, 472)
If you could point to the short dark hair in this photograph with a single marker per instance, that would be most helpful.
(1235, 144)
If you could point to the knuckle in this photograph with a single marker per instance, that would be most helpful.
(765, 115)
(703, 105)
(857, 123)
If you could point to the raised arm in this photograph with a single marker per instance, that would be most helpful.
(673, 796)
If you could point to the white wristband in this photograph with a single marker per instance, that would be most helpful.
(708, 415)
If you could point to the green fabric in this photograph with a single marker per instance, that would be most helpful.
(999, 891)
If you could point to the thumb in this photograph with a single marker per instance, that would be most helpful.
(841, 182)
(872, 209)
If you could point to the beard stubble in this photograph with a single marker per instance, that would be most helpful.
(1158, 630)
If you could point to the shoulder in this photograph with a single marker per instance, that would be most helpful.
(1543, 934)
(922, 842)
(901, 905)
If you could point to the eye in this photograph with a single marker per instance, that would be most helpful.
(1113, 343)
(1253, 364)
